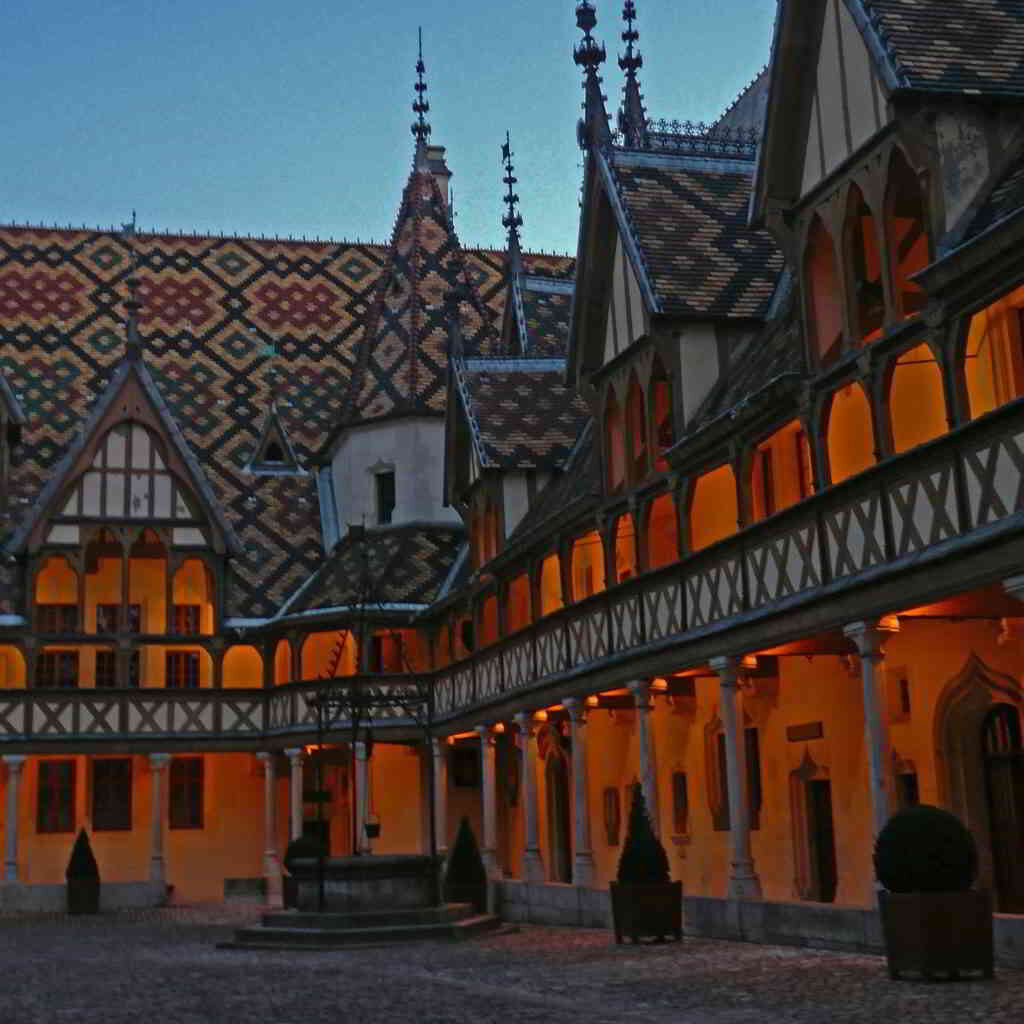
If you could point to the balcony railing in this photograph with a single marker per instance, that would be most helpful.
(965, 487)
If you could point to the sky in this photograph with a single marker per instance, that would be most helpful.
(292, 118)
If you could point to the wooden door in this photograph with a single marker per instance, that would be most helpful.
(1004, 785)
(821, 837)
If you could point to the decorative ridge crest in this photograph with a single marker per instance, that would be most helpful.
(693, 137)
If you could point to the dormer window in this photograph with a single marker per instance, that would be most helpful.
(273, 454)
(385, 487)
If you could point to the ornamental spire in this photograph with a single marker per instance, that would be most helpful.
(512, 221)
(133, 344)
(589, 55)
(420, 106)
(632, 116)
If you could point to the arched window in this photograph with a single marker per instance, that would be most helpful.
(824, 296)
(864, 267)
(994, 354)
(917, 407)
(615, 448)
(780, 473)
(661, 402)
(551, 584)
(517, 609)
(636, 420)
(662, 532)
(851, 439)
(906, 234)
(714, 510)
(489, 621)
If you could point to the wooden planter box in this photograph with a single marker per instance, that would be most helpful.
(654, 910)
(83, 895)
(937, 932)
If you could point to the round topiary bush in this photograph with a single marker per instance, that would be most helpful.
(925, 849)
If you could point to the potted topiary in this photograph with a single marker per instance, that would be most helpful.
(932, 920)
(465, 877)
(83, 878)
(645, 902)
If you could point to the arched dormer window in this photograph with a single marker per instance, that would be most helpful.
(661, 409)
(824, 296)
(636, 421)
(906, 234)
(864, 268)
(615, 447)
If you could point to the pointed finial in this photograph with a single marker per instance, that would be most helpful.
(133, 344)
(420, 106)
(512, 221)
(590, 55)
(632, 116)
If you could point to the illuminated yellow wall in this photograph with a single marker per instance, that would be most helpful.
(662, 532)
(243, 667)
(994, 363)
(550, 585)
(318, 652)
(713, 511)
(625, 548)
(916, 403)
(587, 565)
(851, 445)
(12, 669)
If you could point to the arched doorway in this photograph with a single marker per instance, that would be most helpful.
(980, 775)
(556, 777)
(1004, 788)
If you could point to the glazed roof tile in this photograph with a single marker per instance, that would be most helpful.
(523, 414)
(402, 565)
(1006, 197)
(688, 218)
(952, 45)
(225, 324)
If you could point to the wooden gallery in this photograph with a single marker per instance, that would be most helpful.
(731, 505)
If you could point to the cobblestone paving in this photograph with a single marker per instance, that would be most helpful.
(161, 967)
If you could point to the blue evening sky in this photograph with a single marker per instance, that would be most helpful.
(292, 118)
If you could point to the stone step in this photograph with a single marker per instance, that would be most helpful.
(448, 913)
(262, 937)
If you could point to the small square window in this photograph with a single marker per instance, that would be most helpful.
(385, 496)
(55, 811)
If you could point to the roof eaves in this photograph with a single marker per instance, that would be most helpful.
(886, 62)
(462, 386)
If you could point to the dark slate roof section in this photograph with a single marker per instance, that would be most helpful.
(408, 566)
(687, 216)
(1006, 198)
(547, 307)
(571, 493)
(963, 46)
(521, 412)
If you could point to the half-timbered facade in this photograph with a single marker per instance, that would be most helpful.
(730, 506)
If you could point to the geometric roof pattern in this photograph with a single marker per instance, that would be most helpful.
(687, 216)
(398, 565)
(1006, 197)
(521, 413)
(952, 45)
(226, 324)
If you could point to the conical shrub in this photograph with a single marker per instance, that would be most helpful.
(643, 857)
(465, 865)
(82, 863)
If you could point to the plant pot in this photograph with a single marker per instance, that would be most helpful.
(83, 895)
(647, 910)
(372, 829)
(467, 892)
(937, 932)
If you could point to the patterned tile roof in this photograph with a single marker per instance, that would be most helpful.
(394, 565)
(402, 358)
(547, 314)
(521, 411)
(225, 323)
(688, 218)
(952, 45)
(1005, 198)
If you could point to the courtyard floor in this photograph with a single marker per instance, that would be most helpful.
(161, 967)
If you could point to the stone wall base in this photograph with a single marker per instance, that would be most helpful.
(814, 925)
(15, 896)
(245, 890)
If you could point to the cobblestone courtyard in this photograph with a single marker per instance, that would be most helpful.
(162, 967)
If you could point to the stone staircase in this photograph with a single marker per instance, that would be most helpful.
(303, 930)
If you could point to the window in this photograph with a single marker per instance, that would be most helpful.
(112, 794)
(615, 445)
(186, 619)
(680, 804)
(662, 401)
(55, 811)
(108, 619)
(385, 496)
(106, 670)
(273, 453)
(754, 794)
(182, 670)
(57, 669)
(57, 618)
(185, 796)
(824, 305)
(764, 484)
(636, 417)
(387, 653)
(907, 794)
(719, 778)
